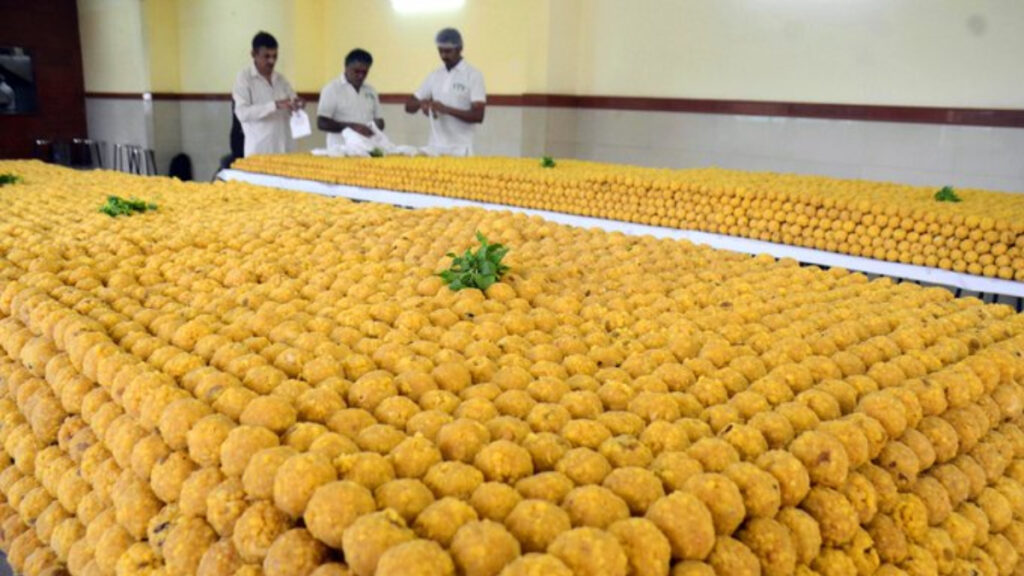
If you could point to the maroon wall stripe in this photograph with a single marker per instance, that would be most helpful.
(1007, 118)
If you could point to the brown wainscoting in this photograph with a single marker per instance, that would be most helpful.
(1007, 118)
(1004, 118)
(48, 29)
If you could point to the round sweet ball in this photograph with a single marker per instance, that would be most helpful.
(332, 445)
(258, 478)
(414, 456)
(594, 506)
(806, 534)
(135, 504)
(550, 486)
(178, 418)
(462, 439)
(536, 523)
(416, 558)
(221, 558)
(722, 497)
(546, 449)
(647, 549)
(366, 468)
(186, 544)
(298, 478)
(638, 487)
(442, 519)
(257, 528)
(224, 504)
(160, 526)
(839, 520)
(453, 479)
(294, 553)
(772, 542)
(65, 535)
(369, 537)
(760, 490)
(686, 522)
(730, 556)
(494, 500)
(504, 461)
(824, 457)
(196, 488)
(483, 548)
(790, 473)
(536, 565)
(624, 450)
(271, 412)
(590, 551)
(241, 444)
(406, 496)
(170, 475)
(112, 544)
(584, 466)
(43, 562)
(331, 569)
(334, 507)
(675, 468)
(206, 438)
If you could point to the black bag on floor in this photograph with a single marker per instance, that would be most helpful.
(181, 168)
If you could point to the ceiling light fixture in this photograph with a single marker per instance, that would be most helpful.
(426, 6)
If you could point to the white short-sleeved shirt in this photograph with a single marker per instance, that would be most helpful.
(458, 88)
(265, 127)
(340, 101)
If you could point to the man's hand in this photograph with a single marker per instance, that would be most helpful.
(438, 108)
(427, 107)
(290, 104)
(361, 129)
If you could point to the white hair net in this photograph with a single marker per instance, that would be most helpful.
(449, 38)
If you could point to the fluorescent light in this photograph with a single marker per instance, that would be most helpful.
(426, 6)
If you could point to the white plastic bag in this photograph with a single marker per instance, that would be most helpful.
(357, 145)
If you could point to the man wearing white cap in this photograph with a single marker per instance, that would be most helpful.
(454, 98)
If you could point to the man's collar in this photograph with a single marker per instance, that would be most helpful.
(344, 81)
(255, 72)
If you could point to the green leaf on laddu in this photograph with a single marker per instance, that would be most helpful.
(480, 269)
(117, 206)
(947, 194)
(9, 178)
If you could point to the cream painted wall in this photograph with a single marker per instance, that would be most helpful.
(161, 25)
(113, 37)
(912, 52)
(198, 46)
(505, 39)
(214, 39)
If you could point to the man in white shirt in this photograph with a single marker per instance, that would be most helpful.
(349, 102)
(264, 100)
(453, 97)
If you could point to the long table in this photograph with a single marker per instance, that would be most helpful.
(998, 289)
